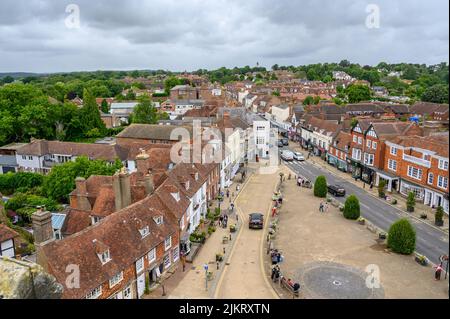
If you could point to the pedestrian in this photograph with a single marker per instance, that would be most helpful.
(228, 193)
(371, 185)
(327, 207)
(274, 212)
(321, 207)
(220, 220)
(437, 274)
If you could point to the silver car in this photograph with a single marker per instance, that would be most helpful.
(299, 157)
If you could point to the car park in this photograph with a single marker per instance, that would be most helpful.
(336, 190)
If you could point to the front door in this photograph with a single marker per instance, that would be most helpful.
(428, 198)
(141, 285)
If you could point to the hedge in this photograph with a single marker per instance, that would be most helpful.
(352, 209)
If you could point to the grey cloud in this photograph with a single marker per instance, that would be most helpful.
(191, 34)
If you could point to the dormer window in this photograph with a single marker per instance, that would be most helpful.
(105, 257)
(187, 185)
(196, 176)
(144, 231)
(176, 196)
(159, 220)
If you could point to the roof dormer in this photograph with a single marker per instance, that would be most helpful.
(159, 220)
(176, 196)
(102, 251)
(145, 231)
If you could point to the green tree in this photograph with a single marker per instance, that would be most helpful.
(61, 180)
(436, 94)
(439, 216)
(381, 189)
(351, 208)
(410, 202)
(357, 93)
(145, 112)
(90, 114)
(402, 237)
(105, 106)
(309, 100)
(320, 187)
(170, 83)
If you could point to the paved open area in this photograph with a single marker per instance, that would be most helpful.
(431, 241)
(329, 255)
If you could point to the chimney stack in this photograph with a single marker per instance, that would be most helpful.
(83, 202)
(42, 226)
(122, 189)
(142, 163)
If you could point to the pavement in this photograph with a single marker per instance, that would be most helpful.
(332, 257)
(432, 242)
(244, 278)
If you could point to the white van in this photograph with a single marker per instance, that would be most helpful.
(287, 156)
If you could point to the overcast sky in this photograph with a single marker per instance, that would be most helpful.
(190, 34)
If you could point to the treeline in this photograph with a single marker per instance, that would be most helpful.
(26, 111)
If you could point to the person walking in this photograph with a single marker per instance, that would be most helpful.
(228, 193)
(437, 274)
(321, 207)
(274, 212)
(220, 220)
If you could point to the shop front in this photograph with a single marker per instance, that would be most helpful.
(392, 182)
(337, 162)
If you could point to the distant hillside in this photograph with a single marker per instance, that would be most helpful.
(18, 75)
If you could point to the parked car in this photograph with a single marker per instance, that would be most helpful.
(280, 143)
(256, 221)
(287, 156)
(299, 157)
(285, 141)
(336, 190)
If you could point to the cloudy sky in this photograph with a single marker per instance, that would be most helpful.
(40, 36)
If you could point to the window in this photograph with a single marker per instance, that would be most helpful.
(30, 158)
(168, 243)
(414, 172)
(24, 157)
(443, 182)
(394, 151)
(140, 265)
(374, 145)
(392, 165)
(430, 178)
(116, 279)
(443, 164)
(359, 140)
(355, 139)
(167, 261)
(176, 196)
(260, 140)
(152, 255)
(94, 294)
(144, 231)
(369, 143)
(159, 220)
(127, 293)
(105, 257)
(176, 254)
(260, 128)
(368, 159)
(356, 154)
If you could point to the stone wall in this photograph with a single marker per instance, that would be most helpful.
(24, 280)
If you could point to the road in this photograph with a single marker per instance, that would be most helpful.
(430, 242)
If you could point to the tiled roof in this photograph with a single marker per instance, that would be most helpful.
(94, 151)
(120, 234)
(7, 233)
(152, 132)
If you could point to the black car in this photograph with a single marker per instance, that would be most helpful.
(285, 141)
(280, 143)
(256, 221)
(336, 190)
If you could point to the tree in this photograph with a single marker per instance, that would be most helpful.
(410, 202)
(90, 114)
(357, 93)
(354, 122)
(351, 208)
(170, 83)
(22, 181)
(61, 180)
(381, 190)
(105, 106)
(439, 216)
(308, 100)
(402, 237)
(275, 67)
(436, 94)
(8, 79)
(145, 112)
(320, 187)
